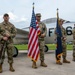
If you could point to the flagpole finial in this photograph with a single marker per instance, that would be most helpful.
(57, 13)
(33, 4)
(57, 9)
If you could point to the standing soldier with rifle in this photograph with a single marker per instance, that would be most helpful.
(7, 33)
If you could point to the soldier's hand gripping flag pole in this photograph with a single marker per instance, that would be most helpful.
(59, 41)
(33, 45)
(2, 51)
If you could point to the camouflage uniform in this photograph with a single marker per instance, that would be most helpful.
(64, 46)
(43, 30)
(11, 30)
(74, 44)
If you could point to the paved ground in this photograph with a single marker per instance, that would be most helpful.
(22, 65)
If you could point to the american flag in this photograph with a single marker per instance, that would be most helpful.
(33, 45)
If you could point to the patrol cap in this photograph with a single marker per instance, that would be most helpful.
(6, 15)
(38, 14)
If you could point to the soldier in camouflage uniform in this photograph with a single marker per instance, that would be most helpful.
(64, 46)
(43, 30)
(7, 33)
(74, 43)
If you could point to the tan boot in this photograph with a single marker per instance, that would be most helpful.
(43, 64)
(0, 68)
(65, 61)
(34, 65)
(59, 63)
(11, 68)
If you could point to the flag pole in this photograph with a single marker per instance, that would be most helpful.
(57, 9)
(57, 13)
(59, 41)
(33, 46)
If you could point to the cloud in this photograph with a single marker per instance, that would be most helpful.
(16, 18)
(0, 16)
(23, 10)
(21, 19)
(12, 16)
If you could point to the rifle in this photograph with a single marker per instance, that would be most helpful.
(2, 51)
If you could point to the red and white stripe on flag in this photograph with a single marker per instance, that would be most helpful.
(33, 45)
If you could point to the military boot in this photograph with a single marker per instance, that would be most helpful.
(43, 64)
(59, 63)
(34, 65)
(65, 61)
(0, 68)
(11, 68)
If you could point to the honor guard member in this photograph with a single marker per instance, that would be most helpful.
(43, 30)
(7, 33)
(74, 43)
(64, 46)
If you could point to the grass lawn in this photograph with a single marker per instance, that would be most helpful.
(53, 47)
(22, 47)
(50, 46)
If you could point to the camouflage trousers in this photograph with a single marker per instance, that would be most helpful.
(74, 51)
(9, 50)
(64, 46)
(41, 46)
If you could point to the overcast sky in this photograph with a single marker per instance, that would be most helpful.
(21, 10)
